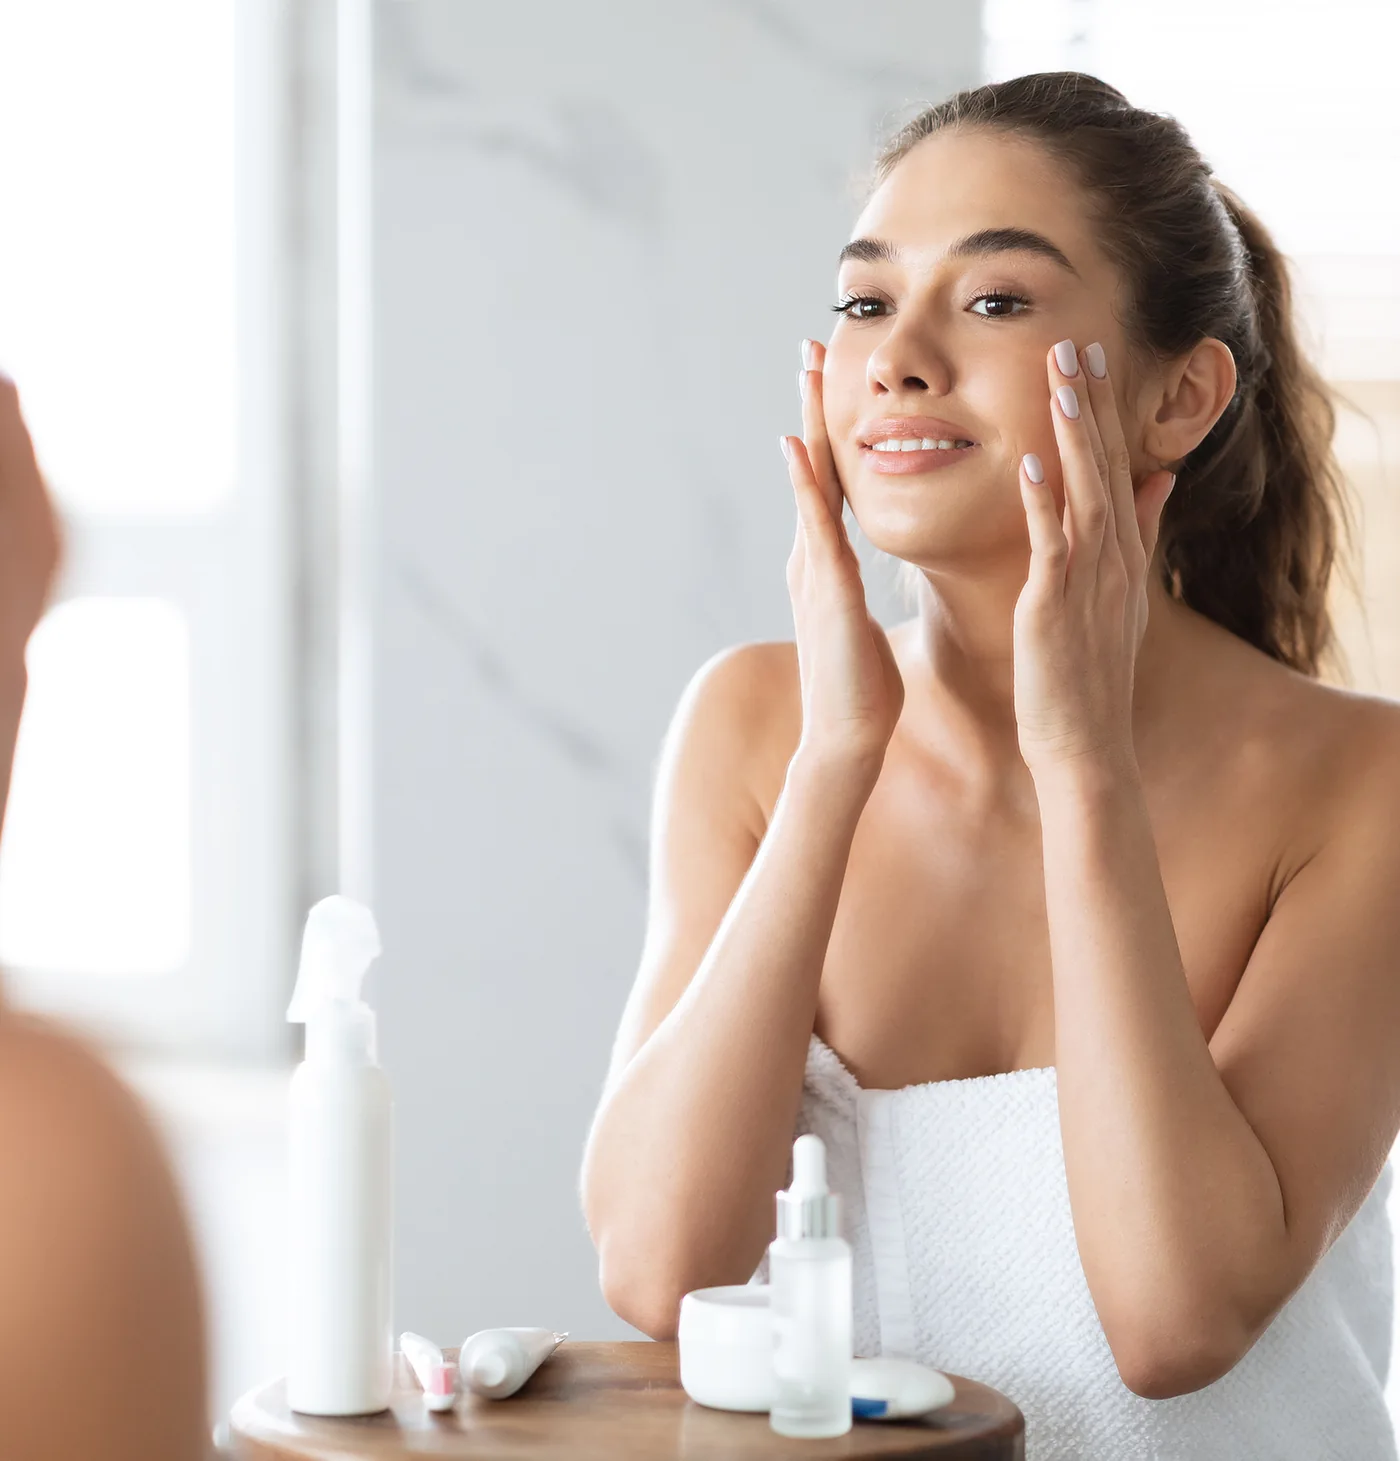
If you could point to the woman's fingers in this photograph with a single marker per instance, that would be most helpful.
(1088, 510)
(1049, 546)
(823, 533)
(1117, 464)
(851, 687)
(809, 382)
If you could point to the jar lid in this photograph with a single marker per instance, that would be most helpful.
(726, 1346)
(731, 1314)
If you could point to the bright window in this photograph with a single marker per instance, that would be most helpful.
(117, 256)
(95, 863)
(145, 876)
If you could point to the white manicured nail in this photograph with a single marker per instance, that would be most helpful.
(1065, 358)
(808, 352)
(1069, 402)
(785, 448)
(1034, 470)
(1098, 365)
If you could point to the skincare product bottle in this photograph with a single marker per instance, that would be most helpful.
(809, 1268)
(340, 1355)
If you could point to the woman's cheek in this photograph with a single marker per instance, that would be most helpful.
(847, 459)
(1021, 412)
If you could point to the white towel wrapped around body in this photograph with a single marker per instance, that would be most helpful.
(958, 1214)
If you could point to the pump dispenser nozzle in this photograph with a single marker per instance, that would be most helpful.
(339, 944)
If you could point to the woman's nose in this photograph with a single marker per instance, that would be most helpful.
(901, 362)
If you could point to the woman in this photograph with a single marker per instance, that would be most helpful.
(1065, 911)
(101, 1326)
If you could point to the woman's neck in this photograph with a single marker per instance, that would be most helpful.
(956, 656)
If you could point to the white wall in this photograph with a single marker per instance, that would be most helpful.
(600, 232)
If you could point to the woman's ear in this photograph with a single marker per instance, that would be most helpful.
(1195, 391)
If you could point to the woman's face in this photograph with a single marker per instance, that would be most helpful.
(954, 328)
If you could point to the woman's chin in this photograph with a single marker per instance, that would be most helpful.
(940, 535)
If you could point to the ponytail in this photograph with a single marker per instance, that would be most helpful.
(1250, 534)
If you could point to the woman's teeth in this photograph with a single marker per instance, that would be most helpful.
(923, 443)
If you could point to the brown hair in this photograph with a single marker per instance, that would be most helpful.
(1249, 534)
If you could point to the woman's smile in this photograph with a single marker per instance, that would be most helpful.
(905, 445)
(908, 460)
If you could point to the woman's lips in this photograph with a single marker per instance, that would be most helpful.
(910, 463)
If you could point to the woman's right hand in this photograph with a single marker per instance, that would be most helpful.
(852, 691)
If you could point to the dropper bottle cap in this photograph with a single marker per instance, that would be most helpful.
(807, 1209)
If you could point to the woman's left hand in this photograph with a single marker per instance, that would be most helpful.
(1080, 618)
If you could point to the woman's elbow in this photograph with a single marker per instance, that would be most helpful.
(643, 1300)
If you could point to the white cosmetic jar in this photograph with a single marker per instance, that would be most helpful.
(726, 1346)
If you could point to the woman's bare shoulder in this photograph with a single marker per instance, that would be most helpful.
(752, 674)
(1324, 748)
(1355, 737)
(749, 698)
(1309, 714)
(94, 1251)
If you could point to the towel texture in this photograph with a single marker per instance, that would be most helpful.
(958, 1214)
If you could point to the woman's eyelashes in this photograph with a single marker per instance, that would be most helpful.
(1005, 304)
(850, 305)
(1000, 304)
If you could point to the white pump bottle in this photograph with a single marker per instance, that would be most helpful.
(340, 1359)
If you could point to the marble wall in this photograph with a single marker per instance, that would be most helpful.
(600, 231)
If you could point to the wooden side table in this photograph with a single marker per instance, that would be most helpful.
(599, 1402)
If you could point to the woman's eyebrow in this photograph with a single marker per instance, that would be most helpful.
(986, 241)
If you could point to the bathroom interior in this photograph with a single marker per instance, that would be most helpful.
(406, 373)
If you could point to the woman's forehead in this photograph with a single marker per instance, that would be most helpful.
(958, 184)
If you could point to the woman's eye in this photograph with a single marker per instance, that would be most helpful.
(989, 306)
(999, 305)
(851, 307)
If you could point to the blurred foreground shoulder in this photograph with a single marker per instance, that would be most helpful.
(101, 1322)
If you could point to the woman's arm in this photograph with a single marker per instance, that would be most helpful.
(1177, 1208)
(1206, 1181)
(692, 1136)
(694, 1131)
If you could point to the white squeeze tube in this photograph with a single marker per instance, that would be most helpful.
(497, 1362)
(340, 1355)
(436, 1375)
